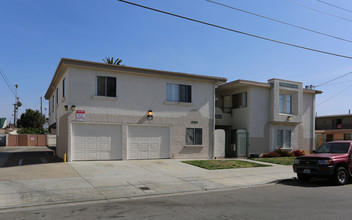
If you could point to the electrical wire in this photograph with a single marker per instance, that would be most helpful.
(282, 22)
(236, 31)
(334, 79)
(337, 83)
(327, 3)
(335, 95)
(322, 12)
(7, 82)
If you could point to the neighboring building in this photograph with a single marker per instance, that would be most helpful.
(109, 112)
(333, 128)
(3, 123)
(277, 114)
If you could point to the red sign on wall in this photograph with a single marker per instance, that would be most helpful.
(80, 115)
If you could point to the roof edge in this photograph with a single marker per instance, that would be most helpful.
(82, 63)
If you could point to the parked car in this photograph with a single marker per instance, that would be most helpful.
(331, 160)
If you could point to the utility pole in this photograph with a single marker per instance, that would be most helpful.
(15, 107)
(41, 105)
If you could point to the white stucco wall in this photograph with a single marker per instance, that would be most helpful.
(136, 94)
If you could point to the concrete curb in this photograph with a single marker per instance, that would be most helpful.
(125, 198)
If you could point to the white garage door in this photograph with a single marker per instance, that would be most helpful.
(96, 142)
(148, 142)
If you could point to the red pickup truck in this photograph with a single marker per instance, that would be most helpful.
(332, 160)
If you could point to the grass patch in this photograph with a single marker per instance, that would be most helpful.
(223, 164)
(277, 160)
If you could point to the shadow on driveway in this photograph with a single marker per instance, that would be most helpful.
(13, 158)
(313, 183)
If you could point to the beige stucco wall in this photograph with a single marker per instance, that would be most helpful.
(136, 94)
(261, 117)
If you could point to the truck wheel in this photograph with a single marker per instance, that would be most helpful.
(302, 177)
(341, 176)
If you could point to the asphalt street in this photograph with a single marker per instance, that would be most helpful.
(289, 199)
(10, 159)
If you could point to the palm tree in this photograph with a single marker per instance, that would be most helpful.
(112, 61)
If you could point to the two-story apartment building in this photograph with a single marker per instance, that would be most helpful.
(333, 128)
(109, 112)
(277, 114)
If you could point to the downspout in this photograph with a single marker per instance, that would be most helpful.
(313, 122)
(213, 148)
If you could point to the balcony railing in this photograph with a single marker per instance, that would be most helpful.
(330, 127)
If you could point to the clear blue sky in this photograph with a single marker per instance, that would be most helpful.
(35, 34)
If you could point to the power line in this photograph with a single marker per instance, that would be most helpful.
(337, 83)
(327, 3)
(236, 31)
(282, 22)
(335, 95)
(334, 79)
(7, 82)
(322, 12)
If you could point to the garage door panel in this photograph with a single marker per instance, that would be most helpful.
(148, 142)
(104, 155)
(96, 142)
(105, 146)
(154, 146)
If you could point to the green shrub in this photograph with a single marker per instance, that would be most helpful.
(31, 131)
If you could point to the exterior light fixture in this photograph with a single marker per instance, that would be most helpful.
(288, 118)
(66, 107)
(73, 107)
(150, 115)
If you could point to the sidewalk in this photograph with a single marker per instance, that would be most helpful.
(106, 180)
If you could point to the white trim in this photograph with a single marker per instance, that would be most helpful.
(195, 146)
(178, 103)
(105, 98)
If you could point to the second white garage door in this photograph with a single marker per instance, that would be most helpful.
(96, 142)
(148, 142)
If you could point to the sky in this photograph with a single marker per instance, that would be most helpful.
(36, 34)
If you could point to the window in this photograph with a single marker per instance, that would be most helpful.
(193, 136)
(280, 138)
(106, 86)
(347, 136)
(239, 100)
(178, 93)
(285, 104)
(287, 139)
(283, 139)
(57, 96)
(63, 88)
(329, 137)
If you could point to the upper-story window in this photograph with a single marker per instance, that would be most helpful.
(285, 104)
(239, 100)
(106, 86)
(178, 93)
(63, 88)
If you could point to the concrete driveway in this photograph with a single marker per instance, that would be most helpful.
(54, 183)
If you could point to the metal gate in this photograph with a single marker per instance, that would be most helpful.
(2, 140)
(242, 143)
